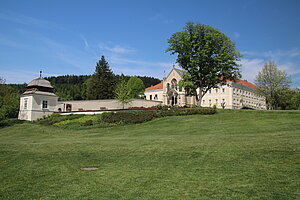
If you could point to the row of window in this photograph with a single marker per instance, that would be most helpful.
(210, 101)
(44, 104)
(216, 91)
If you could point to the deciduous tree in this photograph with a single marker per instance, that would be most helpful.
(122, 93)
(135, 87)
(270, 81)
(207, 55)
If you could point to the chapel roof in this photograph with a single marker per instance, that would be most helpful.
(41, 82)
(158, 86)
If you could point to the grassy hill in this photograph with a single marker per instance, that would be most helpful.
(229, 155)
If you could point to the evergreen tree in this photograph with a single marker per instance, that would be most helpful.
(102, 83)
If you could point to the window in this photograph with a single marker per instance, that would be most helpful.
(209, 101)
(216, 101)
(223, 90)
(45, 104)
(209, 91)
(216, 90)
(223, 100)
(25, 103)
(150, 97)
(203, 101)
(155, 97)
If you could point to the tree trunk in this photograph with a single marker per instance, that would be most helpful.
(199, 97)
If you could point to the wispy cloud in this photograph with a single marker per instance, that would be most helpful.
(27, 20)
(116, 48)
(161, 18)
(86, 44)
(21, 76)
(275, 54)
(287, 60)
(10, 42)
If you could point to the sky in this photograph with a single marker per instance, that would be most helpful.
(63, 37)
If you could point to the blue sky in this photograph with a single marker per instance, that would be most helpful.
(68, 37)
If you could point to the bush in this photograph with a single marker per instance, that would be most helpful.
(10, 122)
(127, 117)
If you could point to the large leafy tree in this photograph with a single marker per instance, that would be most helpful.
(9, 101)
(270, 82)
(136, 87)
(207, 55)
(101, 85)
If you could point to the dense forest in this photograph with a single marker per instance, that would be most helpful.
(73, 87)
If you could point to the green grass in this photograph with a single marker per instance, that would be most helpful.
(229, 155)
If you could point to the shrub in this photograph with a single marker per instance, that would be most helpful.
(10, 122)
(126, 117)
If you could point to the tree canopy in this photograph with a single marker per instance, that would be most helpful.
(9, 101)
(101, 85)
(136, 87)
(270, 82)
(207, 55)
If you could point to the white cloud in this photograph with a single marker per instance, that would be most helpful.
(161, 18)
(250, 68)
(116, 49)
(86, 44)
(11, 43)
(21, 76)
(26, 20)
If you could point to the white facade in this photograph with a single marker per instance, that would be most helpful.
(38, 100)
(233, 95)
(34, 106)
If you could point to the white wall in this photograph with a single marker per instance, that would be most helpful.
(34, 106)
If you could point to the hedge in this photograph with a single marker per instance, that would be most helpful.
(127, 117)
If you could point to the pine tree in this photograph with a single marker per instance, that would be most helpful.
(102, 82)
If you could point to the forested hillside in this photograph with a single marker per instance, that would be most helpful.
(72, 87)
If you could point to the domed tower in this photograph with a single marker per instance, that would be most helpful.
(38, 100)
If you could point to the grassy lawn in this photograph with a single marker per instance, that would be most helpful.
(229, 155)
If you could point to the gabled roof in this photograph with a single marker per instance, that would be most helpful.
(179, 71)
(155, 87)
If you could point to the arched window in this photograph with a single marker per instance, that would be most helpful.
(174, 84)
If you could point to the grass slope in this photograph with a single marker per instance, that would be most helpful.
(229, 155)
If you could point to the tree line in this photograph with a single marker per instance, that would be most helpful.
(100, 85)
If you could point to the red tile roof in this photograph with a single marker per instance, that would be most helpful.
(245, 83)
(155, 87)
(242, 82)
